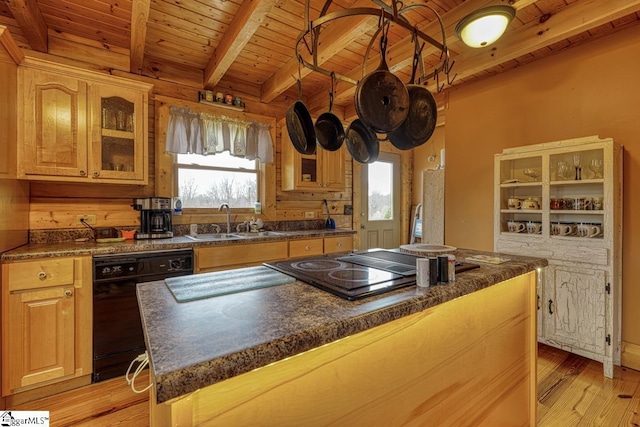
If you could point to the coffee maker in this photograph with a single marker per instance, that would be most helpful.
(155, 217)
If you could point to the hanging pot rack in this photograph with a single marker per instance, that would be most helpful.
(387, 13)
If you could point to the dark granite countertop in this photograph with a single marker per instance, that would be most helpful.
(195, 344)
(45, 250)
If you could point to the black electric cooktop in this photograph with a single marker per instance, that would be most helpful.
(353, 276)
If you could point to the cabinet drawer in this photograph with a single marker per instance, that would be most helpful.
(223, 256)
(338, 244)
(307, 247)
(41, 273)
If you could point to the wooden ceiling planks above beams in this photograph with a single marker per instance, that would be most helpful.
(139, 19)
(567, 22)
(332, 43)
(244, 24)
(29, 18)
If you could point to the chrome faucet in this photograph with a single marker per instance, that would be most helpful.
(226, 206)
(244, 224)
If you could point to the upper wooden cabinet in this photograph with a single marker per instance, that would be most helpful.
(79, 126)
(322, 171)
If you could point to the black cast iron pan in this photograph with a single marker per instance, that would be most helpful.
(300, 126)
(381, 99)
(328, 127)
(421, 119)
(362, 142)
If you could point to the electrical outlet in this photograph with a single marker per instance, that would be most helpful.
(88, 219)
(309, 214)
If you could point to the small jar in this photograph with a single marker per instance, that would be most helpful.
(228, 99)
(237, 101)
(219, 97)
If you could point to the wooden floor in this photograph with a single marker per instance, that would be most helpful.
(571, 392)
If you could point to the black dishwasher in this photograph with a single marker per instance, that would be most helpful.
(117, 329)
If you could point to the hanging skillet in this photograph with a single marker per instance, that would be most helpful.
(423, 112)
(328, 127)
(300, 126)
(381, 99)
(362, 142)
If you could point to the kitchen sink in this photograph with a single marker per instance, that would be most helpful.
(208, 237)
(261, 234)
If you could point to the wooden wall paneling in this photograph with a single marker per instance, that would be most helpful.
(14, 194)
(51, 213)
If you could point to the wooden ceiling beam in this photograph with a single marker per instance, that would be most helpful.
(28, 16)
(245, 23)
(332, 42)
(139, 18)
(8, 42)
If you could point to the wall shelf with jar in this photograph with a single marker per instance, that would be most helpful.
(562, 201)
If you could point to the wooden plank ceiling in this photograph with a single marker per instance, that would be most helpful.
(248, 45)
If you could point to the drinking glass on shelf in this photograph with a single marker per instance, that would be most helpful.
(577, 165)
(531, 173)
(563, 171)
(596, 167)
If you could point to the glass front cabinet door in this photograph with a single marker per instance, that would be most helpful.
(117, 141)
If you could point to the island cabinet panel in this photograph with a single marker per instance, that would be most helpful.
(562, 201)
(46, 322)
(470, 361)
(224, 257)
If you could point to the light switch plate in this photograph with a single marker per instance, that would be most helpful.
(309, 214)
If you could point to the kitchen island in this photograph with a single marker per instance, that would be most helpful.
(456, 354)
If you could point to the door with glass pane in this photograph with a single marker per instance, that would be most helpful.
(380, 202)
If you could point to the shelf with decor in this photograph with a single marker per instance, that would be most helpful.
(577, 227)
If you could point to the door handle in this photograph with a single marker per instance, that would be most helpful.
(550, 306)
(361, 226)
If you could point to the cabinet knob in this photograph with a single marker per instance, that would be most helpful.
(339, 244)
(42, 275)
(68, 293)
(307, 248)
(82, 173)
(96, 174)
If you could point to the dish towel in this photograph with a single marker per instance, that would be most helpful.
(208, 285)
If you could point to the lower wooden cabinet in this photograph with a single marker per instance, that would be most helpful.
(46, 318)
(574, 310)
(338, 244)
(305, 247)
(235, 256)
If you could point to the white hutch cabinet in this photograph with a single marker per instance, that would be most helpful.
(562, 201)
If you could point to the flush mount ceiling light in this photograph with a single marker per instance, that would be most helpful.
(484, 26)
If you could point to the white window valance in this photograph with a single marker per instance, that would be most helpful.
(190, 132)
